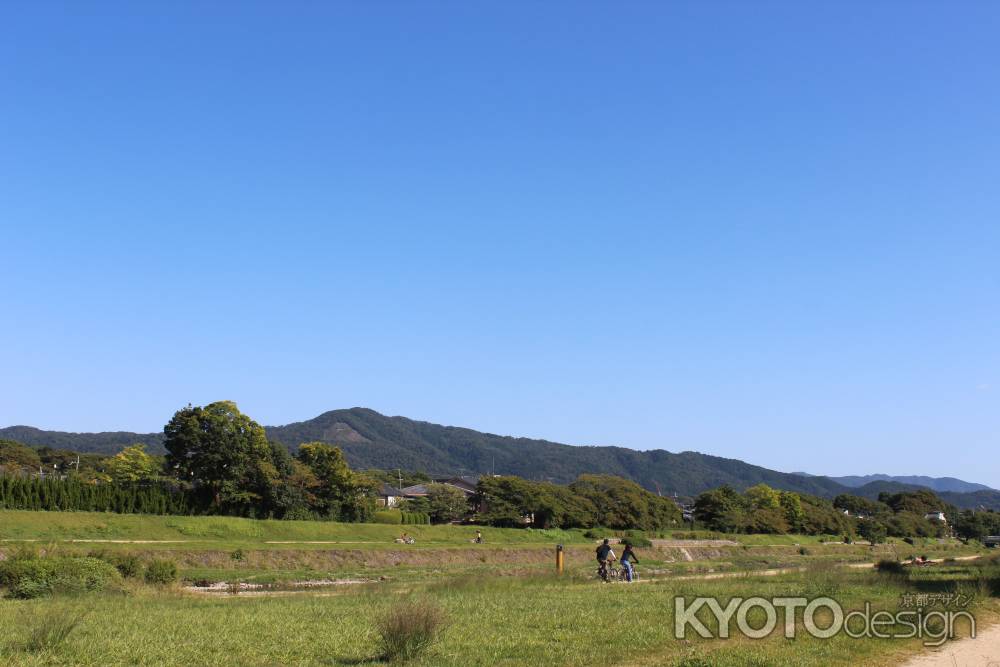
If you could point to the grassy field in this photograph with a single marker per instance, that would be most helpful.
(183, 532)
(502, 603)
(491, 621)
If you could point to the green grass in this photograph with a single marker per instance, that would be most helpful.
(502, 605)
(491, 621)
(182, 532)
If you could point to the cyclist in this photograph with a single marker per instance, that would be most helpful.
(629, 557)
(605, 555)
(479, 537)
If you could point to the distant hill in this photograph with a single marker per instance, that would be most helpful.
(933, 483)
(370, 439)
(373, 440)
(982, 499)
(110, 442)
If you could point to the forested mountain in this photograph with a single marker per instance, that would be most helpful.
(933, 483)
(988, 498)
(110, 442)
(372, 440)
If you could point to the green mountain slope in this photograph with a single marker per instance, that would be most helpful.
(370, 439)
(373, 440)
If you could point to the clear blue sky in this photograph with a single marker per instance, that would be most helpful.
(759, 230)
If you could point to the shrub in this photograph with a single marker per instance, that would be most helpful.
(161, 572)
(803, 551)
(890, 566)
(237, 555)
(129, 566)
(638, 541)
(298, 514)
(407, 630)
(637, 538)
(394, 517)
(35, 577)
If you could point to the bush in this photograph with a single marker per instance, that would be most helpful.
(416, 518)
(803, 551)
(890, 567)
(407, 630)
(394, 517)
(129, 566)
(637, 538)
(35, 577)
(298, 514)
(161, 572)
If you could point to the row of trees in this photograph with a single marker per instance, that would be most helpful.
(971, 525)
(896, 514)
(592, 500)
(227, 456)
(55, 494)
(218, 461)
(761, 509)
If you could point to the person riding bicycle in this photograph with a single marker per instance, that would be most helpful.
(479, 537)
(605, 555)
(629, 557)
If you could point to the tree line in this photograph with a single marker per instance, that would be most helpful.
(761, 509)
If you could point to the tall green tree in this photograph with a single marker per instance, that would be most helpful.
(341, 493)
(222, 449)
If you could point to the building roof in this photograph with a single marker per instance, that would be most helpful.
(469, 481)
(386, 490)
(415, 490)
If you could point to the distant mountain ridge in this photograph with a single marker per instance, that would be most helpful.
(945, 484)
(373, 440)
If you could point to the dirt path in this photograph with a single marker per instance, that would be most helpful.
(983, 651)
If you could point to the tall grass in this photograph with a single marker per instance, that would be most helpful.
(406, 630)
(50, 628)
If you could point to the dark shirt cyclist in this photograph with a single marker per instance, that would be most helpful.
(629, 557)
(604, 554)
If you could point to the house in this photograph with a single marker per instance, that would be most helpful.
(388, 496)
(415, 491)
(992, 541)
(936, 516)
(464, 483)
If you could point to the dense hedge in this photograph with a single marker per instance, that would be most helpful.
(32, 493)
(393, 517)
(419, 518)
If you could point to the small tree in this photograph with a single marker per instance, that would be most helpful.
(873, 531)
(446, 503)
(131, 465)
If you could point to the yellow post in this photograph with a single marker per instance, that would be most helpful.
(559, 559)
